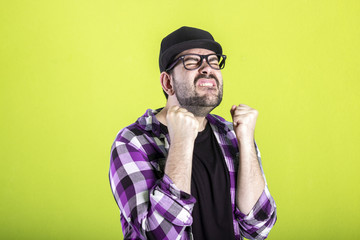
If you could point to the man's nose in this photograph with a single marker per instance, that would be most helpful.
(204, 67)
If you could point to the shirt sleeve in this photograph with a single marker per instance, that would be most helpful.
(151, 207)
(258, 223)
(262, 217)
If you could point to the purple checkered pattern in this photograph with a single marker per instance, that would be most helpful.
(151, 206)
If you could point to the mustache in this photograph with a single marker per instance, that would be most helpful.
(207, 77)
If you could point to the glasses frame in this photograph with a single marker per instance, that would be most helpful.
(202, 57)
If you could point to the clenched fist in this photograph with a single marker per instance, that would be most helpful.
(244, 120)
(182, 124)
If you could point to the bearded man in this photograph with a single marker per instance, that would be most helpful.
(180, 172)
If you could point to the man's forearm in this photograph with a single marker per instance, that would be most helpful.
(179, 164)
(183, 129)
(250, 182)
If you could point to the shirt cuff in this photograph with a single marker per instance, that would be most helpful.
(170, 202)
(261, 212)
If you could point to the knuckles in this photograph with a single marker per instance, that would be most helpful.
(181, 123)
(246, 111)
(244, 115)
(180, 116)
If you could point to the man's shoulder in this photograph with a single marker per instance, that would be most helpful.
(129, 132)
(144, 127)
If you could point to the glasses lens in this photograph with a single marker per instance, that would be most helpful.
(214, 61)
(221, 61)
(192, 61)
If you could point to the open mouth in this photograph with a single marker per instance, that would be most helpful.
(206, 83)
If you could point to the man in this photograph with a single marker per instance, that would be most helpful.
(182, 173)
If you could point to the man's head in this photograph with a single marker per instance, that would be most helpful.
(190, 62)
(183, 39)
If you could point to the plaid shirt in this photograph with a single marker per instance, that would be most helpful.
(151, 206)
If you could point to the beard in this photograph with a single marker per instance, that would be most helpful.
(191, 100)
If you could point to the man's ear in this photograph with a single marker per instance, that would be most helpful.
(166, 83)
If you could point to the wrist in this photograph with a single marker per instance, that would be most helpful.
(182, 144)
(245, 140)
(183, 140)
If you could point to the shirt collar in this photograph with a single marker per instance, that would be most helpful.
(222, 125)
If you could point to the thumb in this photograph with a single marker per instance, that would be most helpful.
(232, 110)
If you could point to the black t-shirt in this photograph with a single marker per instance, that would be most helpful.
(210, 185)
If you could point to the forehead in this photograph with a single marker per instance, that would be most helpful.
(201, 51)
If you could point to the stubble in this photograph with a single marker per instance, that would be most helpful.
(191, 100)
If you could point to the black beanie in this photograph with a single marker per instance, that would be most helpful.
(182, 39)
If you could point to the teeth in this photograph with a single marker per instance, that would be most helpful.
(206, 85)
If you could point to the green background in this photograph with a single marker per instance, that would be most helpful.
(73, 73)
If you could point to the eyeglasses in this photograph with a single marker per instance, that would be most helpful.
(194, 61)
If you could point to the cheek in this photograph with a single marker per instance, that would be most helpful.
(219, 77)
(193, 75)
(188, 79)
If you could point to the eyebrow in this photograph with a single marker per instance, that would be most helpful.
(192, 58)
(213, 58)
